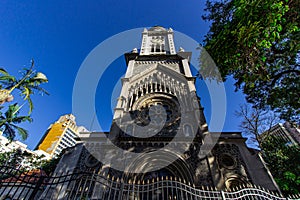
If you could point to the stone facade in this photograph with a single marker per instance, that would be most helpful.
(159, 129)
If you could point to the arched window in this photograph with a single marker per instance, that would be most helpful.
(188, 131)
(152, 48)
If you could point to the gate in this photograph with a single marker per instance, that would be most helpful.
(36, 185)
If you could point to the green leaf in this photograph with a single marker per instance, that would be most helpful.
(3, 71)
(22, 132)
(267, 34)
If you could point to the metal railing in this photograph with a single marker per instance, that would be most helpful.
(16, 184)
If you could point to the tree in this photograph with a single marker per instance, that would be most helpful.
(284, 163)
(258, 44)
(255, 121)
(282, 159)
(28, 84)
(9, 121)
(24, 160)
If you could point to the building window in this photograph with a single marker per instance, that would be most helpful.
(227, 161)
(188, 131)
(152, 48)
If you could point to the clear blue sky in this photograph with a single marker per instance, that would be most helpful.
(60, 34)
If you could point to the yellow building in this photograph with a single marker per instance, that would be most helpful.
(59, 136)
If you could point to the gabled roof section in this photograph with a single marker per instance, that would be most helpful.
(158, 67)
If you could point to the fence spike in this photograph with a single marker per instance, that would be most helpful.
(139, 182)
(272, 192)
(152, 180)
(113, 178)
(143, 182)
(171, 178)
(129, 181)
(148, 181)
(157, 179)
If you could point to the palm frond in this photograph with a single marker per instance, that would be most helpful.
(9, 132)
(39, 89)
(30, 105)
(21, 119)
(3, 71)
(8, 78)
(26, 92)
(21, 131)
(12, 110)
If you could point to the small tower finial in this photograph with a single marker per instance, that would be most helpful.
(181, 49)
(134, 50)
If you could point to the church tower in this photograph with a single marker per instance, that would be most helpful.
(159, 134)
(158, 111)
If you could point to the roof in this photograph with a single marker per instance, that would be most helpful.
(157, 28)
(29, 177)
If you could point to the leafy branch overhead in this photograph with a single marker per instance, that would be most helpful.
(9, 121)
(258, 44)
(27, 84)
(284, 162)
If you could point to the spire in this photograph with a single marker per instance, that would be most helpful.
(157, 40)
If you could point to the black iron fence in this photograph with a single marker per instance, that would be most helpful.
(35, 184)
